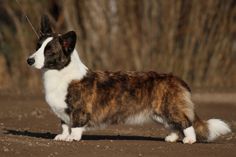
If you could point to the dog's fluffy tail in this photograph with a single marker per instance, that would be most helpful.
(210, 130)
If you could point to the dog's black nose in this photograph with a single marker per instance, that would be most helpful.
(30, 61)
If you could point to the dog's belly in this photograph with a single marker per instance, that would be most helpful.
(137, 119)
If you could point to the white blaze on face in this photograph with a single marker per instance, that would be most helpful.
(39, 54)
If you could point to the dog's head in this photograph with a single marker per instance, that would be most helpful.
(53, 51)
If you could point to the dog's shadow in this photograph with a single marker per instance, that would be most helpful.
(47, 135)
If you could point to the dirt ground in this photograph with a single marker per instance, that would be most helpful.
(27, 128)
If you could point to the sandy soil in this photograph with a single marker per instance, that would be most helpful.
(27, 128)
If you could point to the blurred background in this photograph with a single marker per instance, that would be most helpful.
(193, 39)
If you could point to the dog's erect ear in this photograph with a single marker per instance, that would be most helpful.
(68, 42)
(45, 26)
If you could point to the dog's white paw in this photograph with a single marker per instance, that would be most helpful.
(173, 137)
(71, 138)
(189, 140)
(60, 137)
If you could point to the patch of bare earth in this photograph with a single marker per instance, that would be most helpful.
(27, 128)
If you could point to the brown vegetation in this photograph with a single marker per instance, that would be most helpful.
(192, 39)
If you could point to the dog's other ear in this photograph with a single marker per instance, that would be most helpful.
(45, 26)
(68, 42)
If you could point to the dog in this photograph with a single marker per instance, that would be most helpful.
(85, 99)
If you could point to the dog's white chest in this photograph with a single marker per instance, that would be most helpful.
(56, 83)
(58, 105)
(56, 91)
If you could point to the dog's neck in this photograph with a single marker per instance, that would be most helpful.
(60, 79)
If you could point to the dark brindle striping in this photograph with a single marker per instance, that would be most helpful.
(112, 97)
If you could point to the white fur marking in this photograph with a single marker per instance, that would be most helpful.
(190, 136)
(76, 134)
(140, 118)
(172, 137)
(216, 128)
(56, 83)
(64, 134)
(162, 121)
(159, 119)
(39, 54)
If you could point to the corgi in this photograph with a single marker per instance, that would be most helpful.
(83, 98)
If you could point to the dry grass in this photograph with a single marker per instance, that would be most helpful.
(192, 39)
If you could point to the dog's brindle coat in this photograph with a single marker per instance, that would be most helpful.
(95, 98)
(115, 96)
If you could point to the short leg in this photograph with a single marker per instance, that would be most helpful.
(178, 120)
(184, 125)
(76, 134)
(64, 134)
(190, 135)
(79, 119)
(172, 137)
(180, 115)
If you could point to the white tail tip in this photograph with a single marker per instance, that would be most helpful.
(217, 128)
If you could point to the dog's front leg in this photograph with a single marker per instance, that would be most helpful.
(79, 119)
(69, 134)
(65, 132)
(76, 134)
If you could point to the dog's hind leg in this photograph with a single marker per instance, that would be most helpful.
(174, 134)
(172, 137)
(179, 114)
(176, 112)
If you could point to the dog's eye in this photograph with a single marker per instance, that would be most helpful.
(48, 47)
